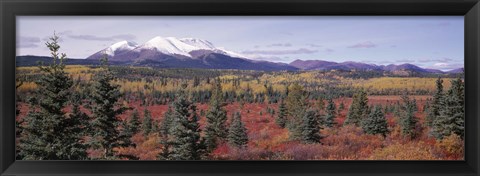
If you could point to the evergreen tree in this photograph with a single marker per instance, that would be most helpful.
(282, 115)
(296, 108)
(451, 119)
(164, 134)
(105, 110)
(147, 123)
(437, 104)
(330, 117)
(358, 109)
(134, 123)
(184, 139)
(48, 133)
(320, 104)
(310, 127)
(215, 129)
(237, 133)
(375, 123)
(408, 121)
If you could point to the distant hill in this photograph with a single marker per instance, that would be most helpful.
(396, 69)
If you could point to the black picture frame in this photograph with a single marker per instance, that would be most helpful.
(9, 9)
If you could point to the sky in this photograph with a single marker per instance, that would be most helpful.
(427, 41)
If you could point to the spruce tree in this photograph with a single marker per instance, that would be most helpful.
(48, 132)
(437, 104)
(296, 102)
(451, 119)
(358, 109)
(282, 115)
(134, 123)
(310, 127)
(184, 139)
(376, 122)
(330, 117)
(408, 121)
(105, 108)
(237, 133)
(215, 129)
(147, 122)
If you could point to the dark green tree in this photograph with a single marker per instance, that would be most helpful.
(297, 105)
(134, 123)
(105, 108)
(48, 132)
(330, 116)
(184, 132)
(282, 115)
(215, 129)
(375, 123)
(408, 121)
(358, 109)
(437, 104)
(237, 133)
(310, 127)
(452, 116)
(147, 123)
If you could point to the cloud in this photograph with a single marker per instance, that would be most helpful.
(280, 52)
(446, 66)
(109, 38)
(367, 44)
(445, 59)
(280, 45)
(405, 60)
(28, 42)
(314, 45)
(328, 50)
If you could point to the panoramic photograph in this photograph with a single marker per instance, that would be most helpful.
(240, 88)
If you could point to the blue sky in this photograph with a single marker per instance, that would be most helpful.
(427, 41)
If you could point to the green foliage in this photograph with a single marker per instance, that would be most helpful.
(215, 129)
(408, 121)
(46, 120)
(331, 112)
(296, 109)
(358, 109)
(105, 112)
(184, 140)
(282, 115)
(237, 133)
(375, 123)
(437, 104)
(134, 123)
(147, 123)
(452, 117)
(310, 127)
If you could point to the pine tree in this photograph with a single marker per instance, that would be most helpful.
(310, 127)
(437, 104)
(164, 134)
(184, 139)
(330, 117)
(408, 121)
(282, 115)
(451, 119)
(296, 108)
(358, 109)
(375, 123)
(48, 133)
(105, 110)
(147, 123)
(215, 129)
(134, 123)
(237, 133)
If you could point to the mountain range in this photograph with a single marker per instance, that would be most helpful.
(170, 52)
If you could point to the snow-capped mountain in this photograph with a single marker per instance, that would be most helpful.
(171, 52)
(115, 49)
(164, 46)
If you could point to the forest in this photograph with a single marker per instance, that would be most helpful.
(108, 112)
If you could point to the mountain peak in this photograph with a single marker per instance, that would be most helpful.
(120, 47)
